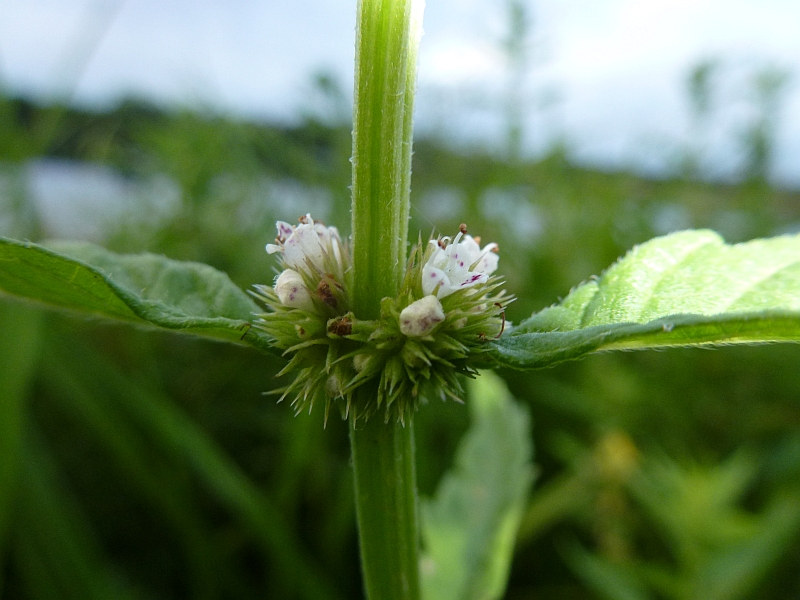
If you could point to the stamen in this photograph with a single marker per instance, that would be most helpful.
(503, 324)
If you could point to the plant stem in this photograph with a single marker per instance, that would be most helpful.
(387, 39)
(386, 508)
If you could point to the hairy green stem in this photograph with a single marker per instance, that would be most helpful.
(387, 38)
(386, 508)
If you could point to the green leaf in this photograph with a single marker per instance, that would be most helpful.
(469, 528)
(684, 289)
(144, 289)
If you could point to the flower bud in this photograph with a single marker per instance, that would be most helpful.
(333, 386)
(419, 318)
(292, 291)
(360, 362)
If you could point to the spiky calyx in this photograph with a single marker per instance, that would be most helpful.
(425, 339)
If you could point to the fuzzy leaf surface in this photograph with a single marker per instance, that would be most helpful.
(470, 526)
(684, 289)
(144, 289)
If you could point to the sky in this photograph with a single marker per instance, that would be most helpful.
(604, 78)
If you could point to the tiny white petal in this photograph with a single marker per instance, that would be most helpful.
(291, 290)
(488, 263)
(421, 317)
(431, 277)
(471, 246)
(306, 246)
(460, 264)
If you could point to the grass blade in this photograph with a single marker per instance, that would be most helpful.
(19, 350)
(181, 439)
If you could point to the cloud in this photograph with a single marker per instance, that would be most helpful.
(617, 66)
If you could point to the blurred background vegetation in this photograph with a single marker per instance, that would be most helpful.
(136, 464)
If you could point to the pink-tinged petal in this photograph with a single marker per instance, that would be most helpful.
(309, 246)
(487, 263)
(292, 292)
(431, 277)
(284, 229)
(304, 245)
(460, 263)
(420, 318)
(473, 279)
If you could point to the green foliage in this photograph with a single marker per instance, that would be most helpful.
(684, 289)
(19, 348)
(719, 551)
(469, 527)
(144, 289)
(160, 520)
(56, 549)
(178, 439)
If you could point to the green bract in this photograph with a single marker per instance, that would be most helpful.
(415, 351)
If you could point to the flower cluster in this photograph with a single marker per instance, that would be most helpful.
(448, 308)
(457, 265)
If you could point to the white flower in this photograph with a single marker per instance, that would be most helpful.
(419, 318)
(292, 291)
(458, 265)
(308, 242)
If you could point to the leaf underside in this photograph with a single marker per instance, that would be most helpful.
(143, 289)
(684, 289)
(469, 527)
